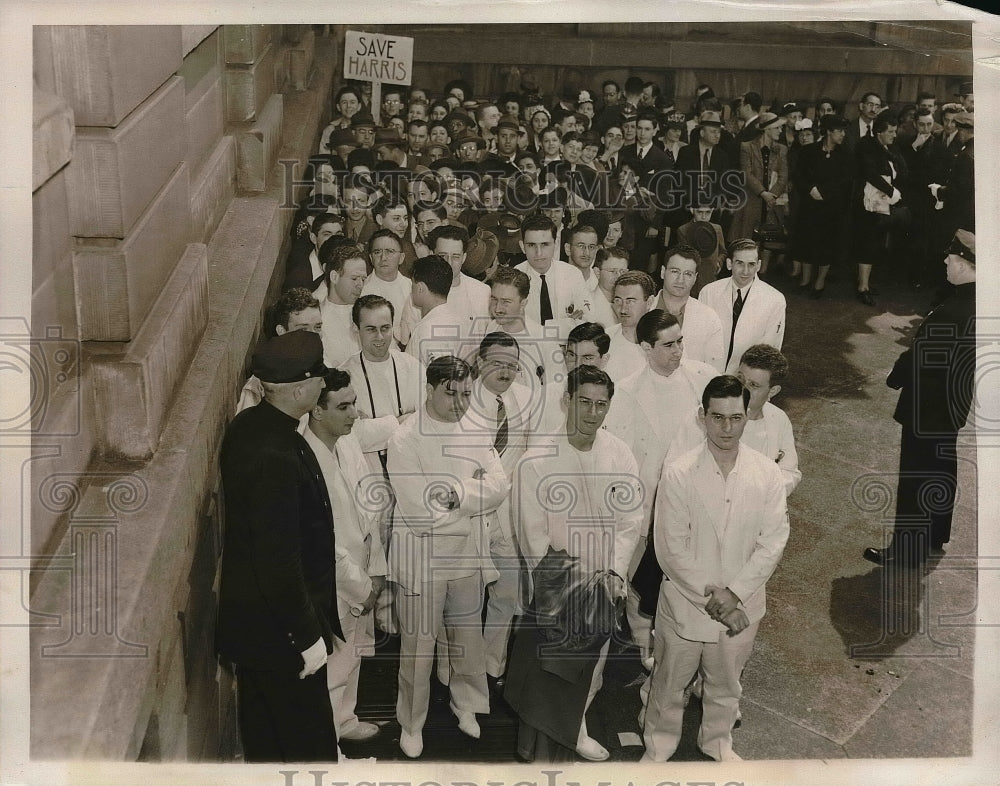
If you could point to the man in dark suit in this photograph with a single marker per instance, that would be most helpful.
(278, 592)
(749, 113)
(647, 160)
(935, 378)
(704, 165)
(869, 107)
(958, 193)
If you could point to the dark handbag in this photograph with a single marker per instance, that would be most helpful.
(770, 232)
(646, 580)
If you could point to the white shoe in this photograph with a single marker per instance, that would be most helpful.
(591, 749)
(730, 755)
(467, 722)
(361, 732)
(411, 744)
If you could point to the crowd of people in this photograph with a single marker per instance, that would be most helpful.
(518, 386)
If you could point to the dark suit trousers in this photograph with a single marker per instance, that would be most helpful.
(283, 718)
(925, 497)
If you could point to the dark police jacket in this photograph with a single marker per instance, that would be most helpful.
(278, 591)
(935, 376)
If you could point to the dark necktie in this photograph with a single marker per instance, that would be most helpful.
(503, 428)
(737, 310)
(613, 162)
(704, 160)
(546, 304)
(642, 154)
(869, 131)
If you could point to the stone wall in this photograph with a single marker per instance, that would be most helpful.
(160, 218)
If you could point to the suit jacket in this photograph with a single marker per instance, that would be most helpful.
(278, 590)
(689, 162)
(749, 132)
(696, 546)
(762, 320)
(752, 164)
(874, 166)
(959, 192)
(935, 376)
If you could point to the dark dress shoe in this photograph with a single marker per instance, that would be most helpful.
(815, 294)
(888, 557)
(867, 298)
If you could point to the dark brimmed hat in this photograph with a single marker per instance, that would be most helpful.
(505, 227)
(703, 238)
(291, 357)
(342, 137)
(468, 137)
(481, 252)
(508, 121)
(458, 117)
(362, 119)
(788, 107)
(440, 146)
(388, 136)
(964, 245)
(964, 89)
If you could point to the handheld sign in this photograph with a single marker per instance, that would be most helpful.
(378, 58)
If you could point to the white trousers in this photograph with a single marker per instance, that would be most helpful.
(457, 604)
(503, 597)
(343, 668)
(677, 659)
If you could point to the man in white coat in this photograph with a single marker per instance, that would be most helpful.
(719, 528)
(701, 326)
(602, 521)
(751, 311)
(503, 409)
(554, 284)
(361, 565)
(768, 430)
(652, 406)
(445, 480)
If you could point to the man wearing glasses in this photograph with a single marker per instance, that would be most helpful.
(869, 108)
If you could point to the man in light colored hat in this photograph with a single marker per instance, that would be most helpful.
(703, 162)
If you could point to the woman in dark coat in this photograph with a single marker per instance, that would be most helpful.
(823, 182)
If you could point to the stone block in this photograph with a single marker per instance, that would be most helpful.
(244, 44)
(192, 35)
(213, 190)
(51, 136)
(117, 281)
(106, 71)
(133, 392)
(249, 87)
(201, 69)
(116, 172)
(203, 127)
(52, 241)
(300, 60)
(257, 147)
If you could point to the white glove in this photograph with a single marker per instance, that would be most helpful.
(314, 658)
(815, 194)
(934, 189)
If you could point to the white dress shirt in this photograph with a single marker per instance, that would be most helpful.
(564, 283)
(340, 340)
(771, 435)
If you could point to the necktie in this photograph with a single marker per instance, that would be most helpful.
(642, 153)
(737, 310)
(503, 428)
(869, 131)
(546, 304)
(613, 163)
(704, 160)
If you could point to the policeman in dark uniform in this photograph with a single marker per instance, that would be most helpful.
(278, 593)
(935, 378)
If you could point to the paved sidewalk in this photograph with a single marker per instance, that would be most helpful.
(847, 663)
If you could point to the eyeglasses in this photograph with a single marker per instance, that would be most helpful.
(586, 247)
(501, 365)
(683, 273)
(873, 104)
